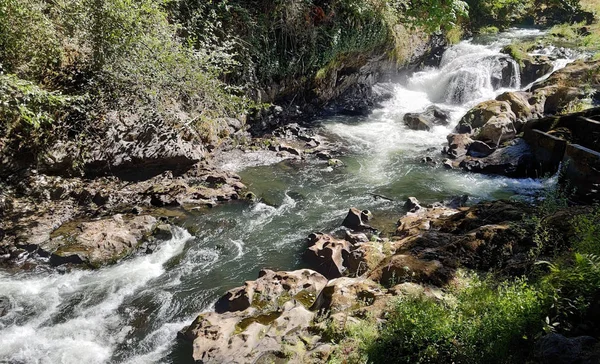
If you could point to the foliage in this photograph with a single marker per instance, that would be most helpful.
(30, 116)
(483, 323)
(587, 230)
(126, 55)
(498, 13)
(572, 286)
(433, 14)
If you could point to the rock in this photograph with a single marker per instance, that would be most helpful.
(150, 145)
(324, 155)
(557, 349)
(4, 306)
(458, 201)
(163, 232)
(277, 314)
(520, 105)
(100, 242)
(329, 256)
(356, 238)
(514, 160)
(458, 144)
(478, 116)
(269, 286)
(250, 196)
(335, 163)
(508, 73)
(432, 116)
(479, 149)
(412, 204)
(416, 122)
(535, 67)
(447, 163)
(289, 149)
(355, 220)
(497, 130)
(347, 294)
(401, 268)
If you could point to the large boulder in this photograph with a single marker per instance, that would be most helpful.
(432, 116)
(483, 112)
(497, 130)
(96, 243)
(534, 67)
(257, 322)
(514, 160)
(335, 258)
(523, 105)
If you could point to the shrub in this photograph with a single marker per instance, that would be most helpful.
(483, 323)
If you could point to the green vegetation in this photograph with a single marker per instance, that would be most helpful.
(493, 319)
(478, 323)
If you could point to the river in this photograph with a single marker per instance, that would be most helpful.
(131, 312)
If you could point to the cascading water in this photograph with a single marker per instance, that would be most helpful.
(131, 312)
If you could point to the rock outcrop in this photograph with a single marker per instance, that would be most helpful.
(288, 315)
(260, 320)
(100, 242)
(499, 121)
(427, 119)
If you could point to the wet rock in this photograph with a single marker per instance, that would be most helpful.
(447, 163)
(507, 75)
(514, 160)
(289, 149)
(535, 67)
(335, 163)
(101, 242)
(324, 155)
(4, 306)
(481, 114)
(432, 116)
(458, 201)
(458, 144)
(355, 220)
(479, 149)
(412, 204)
(557, 349)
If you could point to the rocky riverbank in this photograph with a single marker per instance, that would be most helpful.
(290, 315)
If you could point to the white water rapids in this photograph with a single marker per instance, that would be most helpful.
(131, 312)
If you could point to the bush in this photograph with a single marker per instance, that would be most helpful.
(481, 323)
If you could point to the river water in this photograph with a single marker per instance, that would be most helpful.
(131, 312)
